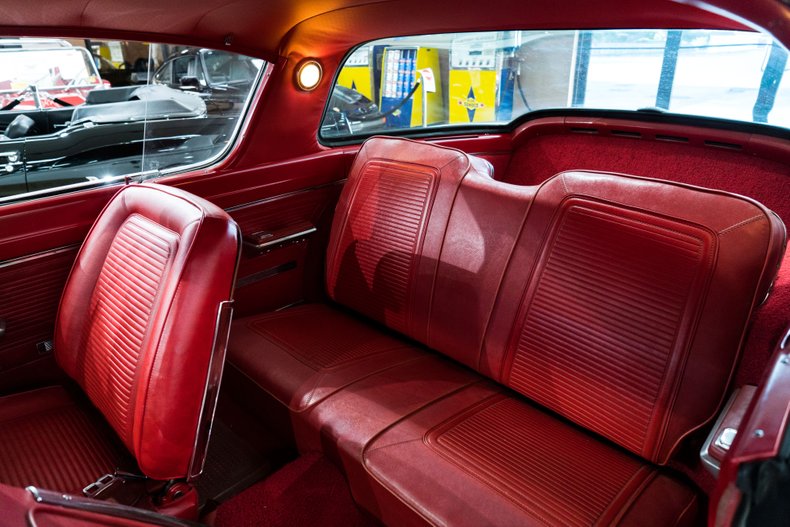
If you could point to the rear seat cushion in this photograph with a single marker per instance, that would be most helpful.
(346, 421)
(482, 457)
(305, 353)
(617, 303)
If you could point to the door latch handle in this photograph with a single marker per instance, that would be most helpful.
(2, 328)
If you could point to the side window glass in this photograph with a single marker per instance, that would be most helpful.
(76, 114)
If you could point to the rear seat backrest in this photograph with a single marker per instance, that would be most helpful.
(389, 227)
(485, 223)
(630, 299)
(616, 301)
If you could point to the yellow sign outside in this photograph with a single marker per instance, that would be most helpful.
(472, 96)
(356, 78)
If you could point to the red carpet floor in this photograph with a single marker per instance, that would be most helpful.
(310, 491)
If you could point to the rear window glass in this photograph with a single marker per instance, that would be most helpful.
(490, 78)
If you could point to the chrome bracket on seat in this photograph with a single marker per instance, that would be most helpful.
(99, 487)
(725, 429)
(213, 380)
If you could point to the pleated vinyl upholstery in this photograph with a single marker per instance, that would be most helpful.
(604, 319)
(138, 317)
(135, 329)
(389, 228)
(540, 463)
(630, 318)
(484, 457)
(618, 321)
(124, 297)
(598, 316)
(387, 234)
(299, 367)
(286, 329)
(377, 249)
(50, 440)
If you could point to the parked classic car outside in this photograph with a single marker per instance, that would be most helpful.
(44, 73)
(63, 127)
(223, 79)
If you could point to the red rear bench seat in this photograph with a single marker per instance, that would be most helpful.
(583, 329)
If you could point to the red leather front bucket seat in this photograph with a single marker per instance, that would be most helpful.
(141, 328)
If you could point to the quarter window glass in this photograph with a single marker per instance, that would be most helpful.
(81, 113)
(492, 78)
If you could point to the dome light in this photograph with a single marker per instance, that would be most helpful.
(308, 75)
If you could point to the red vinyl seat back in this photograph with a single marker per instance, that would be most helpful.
(138, 322)
(627, 301)
(389, 228)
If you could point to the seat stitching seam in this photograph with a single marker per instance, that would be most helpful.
(356, 380)
(441, 251)
(741, 224)
(635, 493)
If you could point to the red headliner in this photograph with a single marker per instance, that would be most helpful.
(327, 29)
(322, 27)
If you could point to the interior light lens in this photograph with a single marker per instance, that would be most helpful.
(308, 75)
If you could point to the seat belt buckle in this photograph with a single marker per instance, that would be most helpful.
(99, 487)
(109, 484)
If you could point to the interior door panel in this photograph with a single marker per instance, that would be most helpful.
(30, 288)
(281, 272)
(39, 239)
(273, 198)
(39, 225)
(761, 439)
(229, 189)
(38, 242)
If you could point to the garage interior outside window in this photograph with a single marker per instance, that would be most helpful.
(81, 113)
(493, 78)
